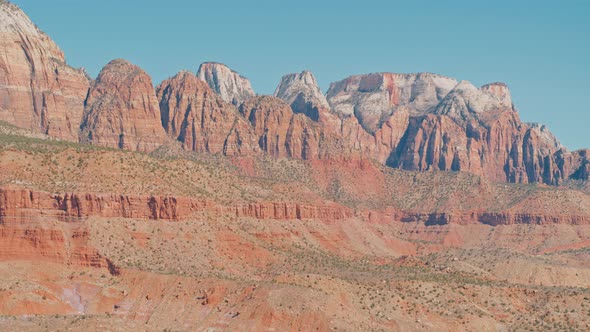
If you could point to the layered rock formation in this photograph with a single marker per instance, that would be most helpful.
(18, 204)
(231, 86)
(341, 136)
(500, 90)
(302, 93)
(193, 114)
(122, 110)
(38, 90)
(487, 218)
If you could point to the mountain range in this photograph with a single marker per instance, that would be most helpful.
(422, 121)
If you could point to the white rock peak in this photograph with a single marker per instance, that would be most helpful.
(302, 85)
(13, 19)
(231, 86)
(466, 100)
(14, 22)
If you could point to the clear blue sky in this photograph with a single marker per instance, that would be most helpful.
(541, 49)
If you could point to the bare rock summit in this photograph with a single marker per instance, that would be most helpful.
(231, 86)
(302, 93)
(122, 110)
(372, 98)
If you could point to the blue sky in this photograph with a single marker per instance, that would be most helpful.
(541, 49)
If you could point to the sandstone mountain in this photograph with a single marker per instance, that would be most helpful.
(196, 116)
(122, 110)
(38, 90)
(452, 127)
(231, 86)
(479, 131)
(423, 122)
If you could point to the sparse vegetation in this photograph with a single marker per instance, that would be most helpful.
(368, 274)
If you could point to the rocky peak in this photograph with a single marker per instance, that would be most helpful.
(302, 93)
(231, 86)
(466, 102)
(122, 109)
(178, 93)
(120, 69)
(499, 90)
(195, 115)
(304, 81)
(13, 19)
(38, 90)
(372, 98)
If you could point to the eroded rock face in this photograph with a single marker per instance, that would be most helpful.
(38, 90)
(280, 132)
(581, 165)
(484, 140)
(302, 93)
(462, 128)
(231, 86)
(122, 110)
(373, 98)
(196, 116)
(17, 204)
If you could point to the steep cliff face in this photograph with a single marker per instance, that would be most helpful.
(122, 110)
(564, 165)
(18, 205)
(432, 125)
(478, 131)
(196, 116)
(231, 86)
(38, 90)
(302, 93)
(581, 165)
(280, 132)
(500, 90)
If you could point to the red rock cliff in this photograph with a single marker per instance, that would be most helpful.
(122, 110)
(38, 90)
(193, 114)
